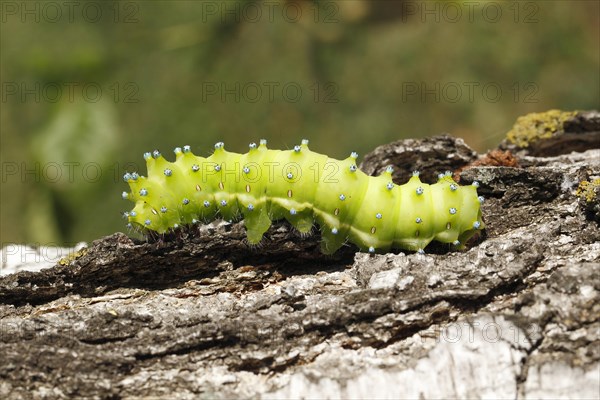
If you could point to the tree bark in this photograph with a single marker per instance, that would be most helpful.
(200, 313)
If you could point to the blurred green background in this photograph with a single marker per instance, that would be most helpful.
(88, 86)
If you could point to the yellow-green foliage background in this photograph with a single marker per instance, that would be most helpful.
(153, 61)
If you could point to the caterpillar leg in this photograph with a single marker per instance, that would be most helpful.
(331, 240)
(257, 222)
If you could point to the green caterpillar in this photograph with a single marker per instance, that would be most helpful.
(303, 187)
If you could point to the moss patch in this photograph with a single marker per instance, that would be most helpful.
(537, 126)
(589, 198)
(72, 256)
(588, 191)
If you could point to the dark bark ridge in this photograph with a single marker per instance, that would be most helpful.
(199, 312)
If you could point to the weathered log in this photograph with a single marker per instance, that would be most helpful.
(200, 313)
